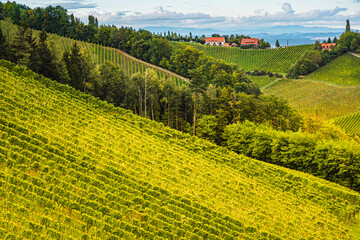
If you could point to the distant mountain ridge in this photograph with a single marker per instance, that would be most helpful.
(287, 35)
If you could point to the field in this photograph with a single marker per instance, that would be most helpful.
(273, 60)
(77, 168)
(323, 99)
(345, 70)
(99, 54)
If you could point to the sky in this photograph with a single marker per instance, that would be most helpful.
(215, 14)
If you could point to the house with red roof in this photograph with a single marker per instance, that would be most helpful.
(250, 42)
(215, 41)
(327, 46)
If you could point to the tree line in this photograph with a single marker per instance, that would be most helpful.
(329, 153)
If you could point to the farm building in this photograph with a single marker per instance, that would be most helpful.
(234, 45)
(215, 41)
(227, 44)
(327, 46)
(250, 42)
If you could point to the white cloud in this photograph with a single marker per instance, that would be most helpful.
(159, 17)
(287, 8)
(286, 16)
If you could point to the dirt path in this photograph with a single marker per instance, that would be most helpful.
(354, 54)
(151, 65)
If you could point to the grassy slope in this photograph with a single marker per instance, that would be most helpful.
(74, 166)
(274, 60)
(311, 97)
(345, 70)
(331, 91)
(100, 54)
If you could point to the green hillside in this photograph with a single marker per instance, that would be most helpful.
(99, 54)
(274, 60)
(74, 167)
(320, 98)
(345, 70)
(283, 58)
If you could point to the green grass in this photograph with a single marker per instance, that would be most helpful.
(345, 70)
(274, 60)
(74, 167)
(311, 97)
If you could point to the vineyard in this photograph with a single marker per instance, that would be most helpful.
(74, 167)
(273, 60)
(283, 57)
(99, 54)
(342, 71)
(350, 124)
(319, 98)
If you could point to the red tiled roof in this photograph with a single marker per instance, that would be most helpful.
(215, 39)
(327, 45)
(249, 41)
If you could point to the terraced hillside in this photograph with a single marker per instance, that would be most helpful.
(345, 70)
(274, 60)
(99, 54)
(350, 123)
(74, 167)
(316, 97)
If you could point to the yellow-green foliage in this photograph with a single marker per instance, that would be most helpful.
(345, 70)
(74, 167)
(273, 60)
(311, 97)
(350, 123)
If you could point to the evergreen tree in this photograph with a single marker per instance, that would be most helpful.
(277, 44)
(79, 68)
(347, 26)
(22, 47)
(335, 40)
(329, 40)
(3, 46)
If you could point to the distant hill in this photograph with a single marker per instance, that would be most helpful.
(74, 167)
(287, 35)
